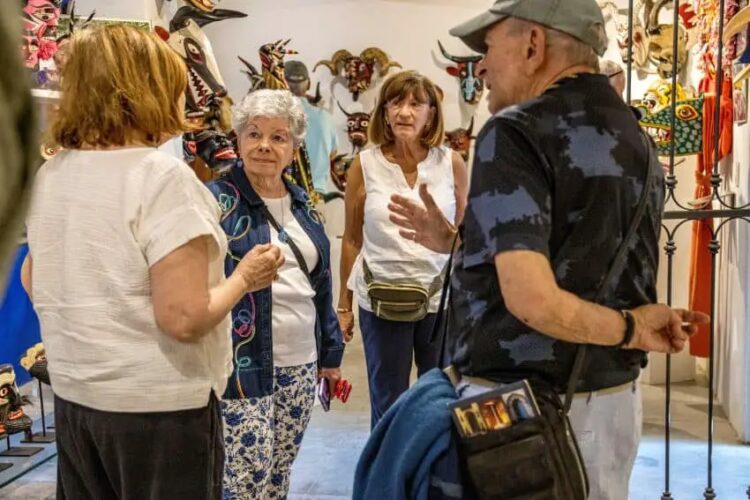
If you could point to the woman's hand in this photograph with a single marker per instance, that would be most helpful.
(332, 375)
(346, 322)
(259, 266)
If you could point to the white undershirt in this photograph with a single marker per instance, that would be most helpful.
(292, 306)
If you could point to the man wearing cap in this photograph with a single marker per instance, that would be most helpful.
(321, 140)
(557, 177)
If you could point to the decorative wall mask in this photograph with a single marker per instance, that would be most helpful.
(356, 128)
(206, 100)
(272, 63)
(40, 21)
(358, 70)
(35, 362)
(214, 148)
(652, 50)
(460, 139)
(465, 70)
(255, 77)
(688, 133)
(12, 417)
(188, 39)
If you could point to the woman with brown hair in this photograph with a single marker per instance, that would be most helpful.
(126, 272)
(397, 281)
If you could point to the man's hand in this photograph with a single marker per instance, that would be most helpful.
(659, 328)
(424, 225)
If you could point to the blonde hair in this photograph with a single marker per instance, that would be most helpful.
(398, 87)
(120, 86)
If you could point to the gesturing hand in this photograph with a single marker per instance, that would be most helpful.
(425, 225)
(659, 328)
(260, 265)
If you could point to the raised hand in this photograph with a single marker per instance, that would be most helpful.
(260, 265)
(425, 225)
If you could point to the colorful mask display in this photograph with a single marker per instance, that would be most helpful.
(272, 63)
(358, 70)
(465, 70)
(35, 362)
(12, 417)
(657, 119)
(40, 20)
(460, 139)
(356, 128)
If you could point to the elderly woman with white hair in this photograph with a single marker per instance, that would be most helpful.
(286, 337)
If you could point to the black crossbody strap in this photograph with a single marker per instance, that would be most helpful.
(613, 271)
(289, 241)
(441, 314)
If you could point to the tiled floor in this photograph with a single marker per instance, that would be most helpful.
(325, 466)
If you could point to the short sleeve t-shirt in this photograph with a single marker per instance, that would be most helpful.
(99, 220)
(561, 175)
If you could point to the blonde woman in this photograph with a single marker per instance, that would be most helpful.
(126, 273)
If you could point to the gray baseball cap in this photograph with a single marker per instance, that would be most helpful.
(581, 19)
(295, 71)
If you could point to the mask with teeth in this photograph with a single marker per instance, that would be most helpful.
(688, 132)
(12, 417)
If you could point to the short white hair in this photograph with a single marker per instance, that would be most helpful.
(271, 104)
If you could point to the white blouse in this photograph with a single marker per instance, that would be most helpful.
(98, 221)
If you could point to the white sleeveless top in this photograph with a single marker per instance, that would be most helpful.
(390, 256)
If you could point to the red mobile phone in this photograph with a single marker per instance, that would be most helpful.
(324, 395)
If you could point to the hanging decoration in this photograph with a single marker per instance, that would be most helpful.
(356, 128)
(656, 111)
(465, 70)
(206, 102)
(358, 70)
(339, 167)
(460, 139)
(271, 76)
(653, 50)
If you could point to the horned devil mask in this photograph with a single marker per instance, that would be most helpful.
(460, 139)
(358, 70)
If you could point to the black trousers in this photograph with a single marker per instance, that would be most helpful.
(139, 456)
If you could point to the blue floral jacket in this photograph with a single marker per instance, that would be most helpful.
(246, 225)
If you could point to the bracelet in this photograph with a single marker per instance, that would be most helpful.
(343, 310)
(629, 328)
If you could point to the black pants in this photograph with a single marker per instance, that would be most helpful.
(139, 456)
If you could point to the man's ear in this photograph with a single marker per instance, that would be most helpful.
(536, 48)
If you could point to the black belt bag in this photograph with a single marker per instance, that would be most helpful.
(538, 458)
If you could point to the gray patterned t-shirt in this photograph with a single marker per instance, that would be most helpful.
(560, 174)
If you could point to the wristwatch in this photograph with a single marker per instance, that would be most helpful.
(629, 328)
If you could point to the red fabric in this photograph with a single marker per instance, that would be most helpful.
(700, 256)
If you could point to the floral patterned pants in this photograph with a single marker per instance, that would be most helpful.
(262, 435)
